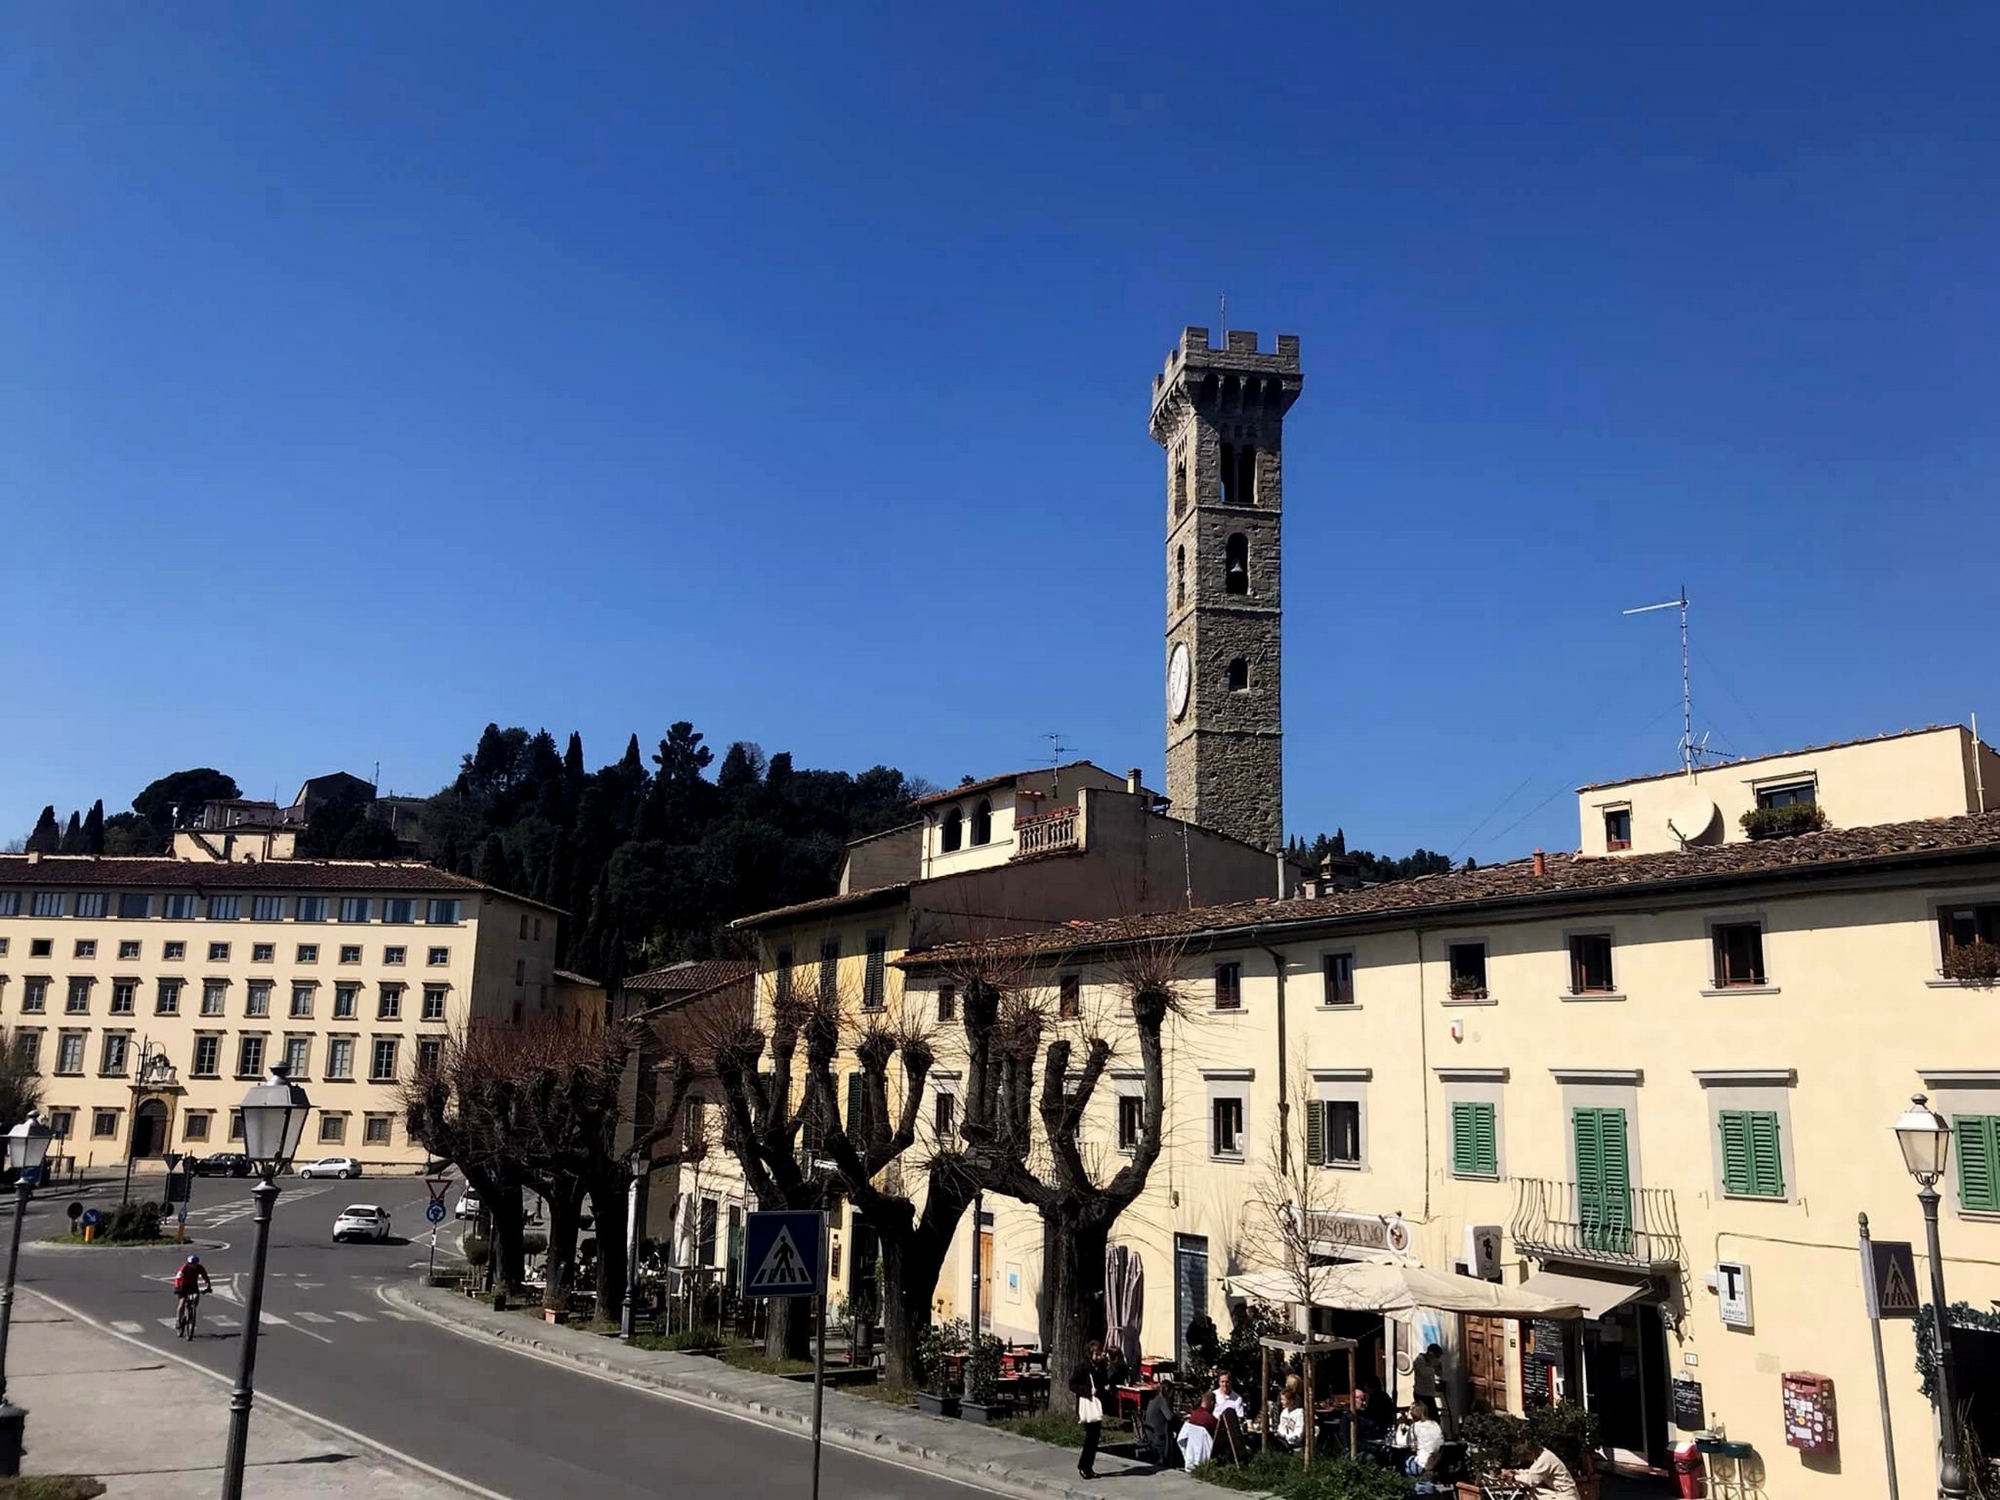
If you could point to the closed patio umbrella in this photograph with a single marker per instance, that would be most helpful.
(1124, 1303)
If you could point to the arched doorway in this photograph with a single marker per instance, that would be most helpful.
(149, 1129)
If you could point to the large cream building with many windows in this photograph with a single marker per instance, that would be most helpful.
(150, 993)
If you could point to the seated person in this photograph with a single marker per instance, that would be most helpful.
(1291, 1429)
(1227, 1397)
(1426, 1437)
(1156, 1426)
(1375, 1412)
(1545, 1475)
(1197, 1435)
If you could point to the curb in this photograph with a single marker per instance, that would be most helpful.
(836, 1432)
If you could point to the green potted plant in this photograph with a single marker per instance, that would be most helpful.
(1976, 963)
(982, 1382)
(1491, 1438)
(1783, 822)
(937, 1390)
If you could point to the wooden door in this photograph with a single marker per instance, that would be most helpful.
(1485, 1343)
(986, 1280)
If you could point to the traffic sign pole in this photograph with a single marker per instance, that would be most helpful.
(819, 1361)
(1881, 1372)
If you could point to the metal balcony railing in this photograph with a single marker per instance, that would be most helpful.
(1045, 833)
(1553, 1221)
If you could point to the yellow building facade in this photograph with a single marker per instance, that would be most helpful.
(150, 993)
(1660, 1086)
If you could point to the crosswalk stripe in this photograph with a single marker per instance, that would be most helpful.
(222, 1322)
(312, 1317)
(272, 1320)
(399, 1317)
(130, 1327)
(166, 1323)
(354, 1317)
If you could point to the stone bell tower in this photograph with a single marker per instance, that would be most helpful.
(1220, 414)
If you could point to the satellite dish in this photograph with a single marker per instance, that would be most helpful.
(1691, 814)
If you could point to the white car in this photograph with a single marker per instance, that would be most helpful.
(468, 1205)
(361, 1221)
(331, 1166)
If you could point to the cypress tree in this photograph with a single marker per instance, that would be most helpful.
(93, 829)
(72, 838)
(493, 864)
(47, 837)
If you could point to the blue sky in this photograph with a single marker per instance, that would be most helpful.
(368, 373)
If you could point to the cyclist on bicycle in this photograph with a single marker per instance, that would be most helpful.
(190, 1281)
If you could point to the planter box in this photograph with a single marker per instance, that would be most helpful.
(937, 1406)
(550, 1315)
(985, 1412)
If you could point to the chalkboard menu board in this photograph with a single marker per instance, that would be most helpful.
(1542, 1361)
(1689, 1413)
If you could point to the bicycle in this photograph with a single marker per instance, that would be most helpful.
(184, 1317)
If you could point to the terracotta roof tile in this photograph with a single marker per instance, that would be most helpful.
(874, 895)
(692, 975)
(1870, 739)
(1568, 877)
(966, 789)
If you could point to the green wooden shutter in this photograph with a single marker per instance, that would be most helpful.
(853, 1119)
(1315, 1133)
(1978, 1162)
(1736, 1173)
(1603, 1181)
(1474, 1147)
(1767, 1163)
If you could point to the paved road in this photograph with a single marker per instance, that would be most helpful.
(494, 1419)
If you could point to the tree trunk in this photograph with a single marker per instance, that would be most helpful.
(788, 1328)
(1072, 1287)
(565, 1209)
(611, 1199)
(508, 1258)
(911, 1265)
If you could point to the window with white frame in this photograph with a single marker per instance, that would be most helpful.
(1225, 1126)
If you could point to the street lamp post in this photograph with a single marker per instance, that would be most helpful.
(628, 1321)
(274, 1118)
(27, 1149)
(1925, 1137)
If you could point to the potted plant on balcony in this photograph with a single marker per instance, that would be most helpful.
(982, 1382)
(1783, 822)
(1976, 963)
(937, 1376)
(1467, 986)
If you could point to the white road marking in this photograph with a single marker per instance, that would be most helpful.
(312, 1317)
(354, 1317)
(272, 1320)
(264, 1398)
(130, 1327)
(166, 1323)
(221, 1322)
(399, 1317)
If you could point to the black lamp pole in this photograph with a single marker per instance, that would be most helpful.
(1951, 1468)
(266, 1197)
(27, 1150)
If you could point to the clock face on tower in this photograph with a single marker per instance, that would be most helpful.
(1178, 680)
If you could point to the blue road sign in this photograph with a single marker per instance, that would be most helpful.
(92, 1218)
(784, 1255)
(435, 1213)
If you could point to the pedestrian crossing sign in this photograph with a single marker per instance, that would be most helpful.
(784, 1254)
(1891, 1279)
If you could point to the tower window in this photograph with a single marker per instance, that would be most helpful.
(1180, 577)
(1239, 475)
(953, 835)
(1180, 489)
(1236, 564)
(1239, 676)
(982, 822)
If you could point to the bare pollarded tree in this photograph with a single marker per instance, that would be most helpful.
(1031, 1076)
(541, 1106)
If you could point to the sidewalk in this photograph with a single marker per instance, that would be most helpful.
(148, 1426)
(982, 1455)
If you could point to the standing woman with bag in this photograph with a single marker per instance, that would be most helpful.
(1090, 1382)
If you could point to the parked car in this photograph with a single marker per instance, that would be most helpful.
(220, 1164)
(468, 1205)
(361, 1221)
(331, 1166)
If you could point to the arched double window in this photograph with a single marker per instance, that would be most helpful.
(952, 837)
(1236, 564)
(982, 823)
(1180, 577)
(1180, 489)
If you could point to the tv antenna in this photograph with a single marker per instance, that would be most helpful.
(1687, 694)
(1055, 762)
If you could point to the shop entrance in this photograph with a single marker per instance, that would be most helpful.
(1625, 1382)
(1190, 1288)
(1975, 1362)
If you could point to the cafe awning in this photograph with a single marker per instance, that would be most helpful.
(1368, 1286)
(1595, 1295)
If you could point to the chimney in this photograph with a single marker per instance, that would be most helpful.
(1541, 864)
(1132, 781)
